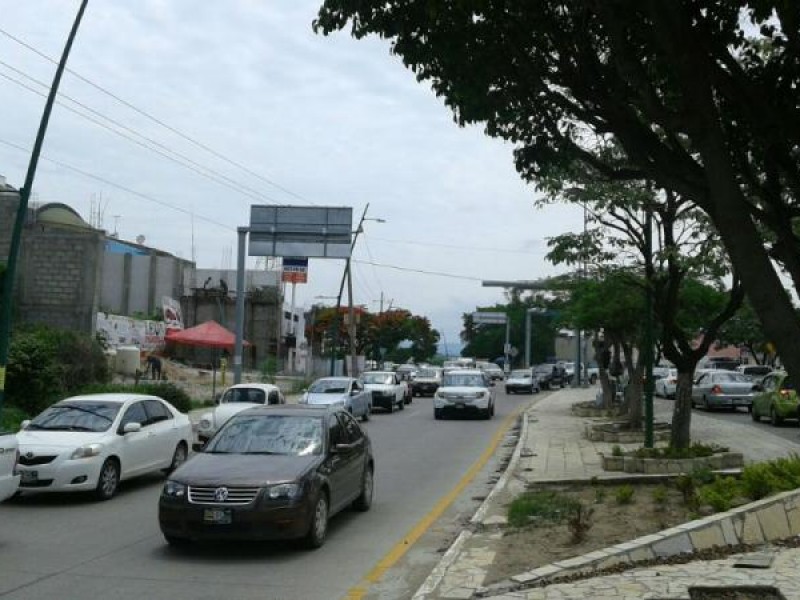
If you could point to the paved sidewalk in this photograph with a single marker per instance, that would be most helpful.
(554, 448)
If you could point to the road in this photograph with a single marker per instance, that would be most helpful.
(68, 546)
(787, 430)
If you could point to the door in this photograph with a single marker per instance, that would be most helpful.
(165, 435)
(359, 399)
(356, 455)
(138, 451)
(335, 467)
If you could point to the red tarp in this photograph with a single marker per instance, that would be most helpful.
(208, 335)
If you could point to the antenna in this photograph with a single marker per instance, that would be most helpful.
(116, 224)
(193, 252)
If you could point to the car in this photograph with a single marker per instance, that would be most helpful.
(756, 373)
(776, 398)
(722, 389)
(347, 392)
(9, 457)
(407, 372)
(271, 473)
(494, 372)
(665, 386)
(235, 399)
(522, 380)
(427, 381)
(90, 443)
(464, 391)
(386, 388)
(592, 372)
(550, 376)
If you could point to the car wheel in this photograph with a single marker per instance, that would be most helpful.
(774, 419)
(319, 523)
(437, 413)
(365, 416)
(402, 405)
(593, 379)
(364, 501)
(178, 457)
(706, 407)
(176, 542)
(391, 407)
(108, 481)
(754, 415)
(508, 391)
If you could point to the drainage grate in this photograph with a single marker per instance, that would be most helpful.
(748, 592)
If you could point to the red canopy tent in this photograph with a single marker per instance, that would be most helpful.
(206, 335)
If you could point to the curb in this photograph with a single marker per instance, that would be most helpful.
(437, 574)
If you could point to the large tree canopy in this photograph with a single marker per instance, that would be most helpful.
(699, 96)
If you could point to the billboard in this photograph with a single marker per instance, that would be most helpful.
(307, 231)
(295, 269)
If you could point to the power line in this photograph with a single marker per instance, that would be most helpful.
(420, 271)
(120, 187)
(194, 166)
(374, 270)
(158, 121)
(455, 246)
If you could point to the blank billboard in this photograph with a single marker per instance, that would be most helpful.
(312, 231)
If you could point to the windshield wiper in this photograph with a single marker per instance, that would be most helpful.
(264, 452)
(86, 410)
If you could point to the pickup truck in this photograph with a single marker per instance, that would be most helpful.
(9, 455)
(386, 388)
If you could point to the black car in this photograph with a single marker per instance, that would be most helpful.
(550, 376)
(270, 473)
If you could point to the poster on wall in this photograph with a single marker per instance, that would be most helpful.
(117, 331)
(173, 318)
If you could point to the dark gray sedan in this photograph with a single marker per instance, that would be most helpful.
(270, 473)
(722, 389)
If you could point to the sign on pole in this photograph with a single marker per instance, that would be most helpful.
(308, 231)
(295, 269)
(489, 318)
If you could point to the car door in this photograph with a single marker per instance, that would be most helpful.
(763, 400)
(697, 387)
(356, 456)
(137, 449)
(358, 398)
(335, 466)
(164, 432)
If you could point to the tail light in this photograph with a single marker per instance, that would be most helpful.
(673, 380)
(786, 393)
(716, 390)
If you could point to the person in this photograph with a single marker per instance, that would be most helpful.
(154, 367)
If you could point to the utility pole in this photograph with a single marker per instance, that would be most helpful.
(24, 196)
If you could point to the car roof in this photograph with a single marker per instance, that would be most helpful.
(319, 410)
(115, 398)
(378, 373)
(261, 386)
(470, 372)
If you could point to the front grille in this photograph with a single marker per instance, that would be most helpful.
(234, 496)
(36, 484)
(35, 460)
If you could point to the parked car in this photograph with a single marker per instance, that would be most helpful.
(522, 381)
(386, 388)
(427, 381)
(592, 372)
(9, 456)
(271, 473)
(722, 389)
(235, 399)
(756, 373)
(776, 398)
(346, 392)
(92, 442)
(464, 391)
(665, 386)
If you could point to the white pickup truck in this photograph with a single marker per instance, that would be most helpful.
(9, 454)
(387, 390)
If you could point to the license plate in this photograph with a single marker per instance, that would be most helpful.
(217, 516)
(28, 476)
(459, 405)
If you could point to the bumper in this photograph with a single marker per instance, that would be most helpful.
(730, 401)
(253, 522)
(465, 405)
(382, 401)
(520, 387)
(61, 475)
(8, 486)
(425, 388)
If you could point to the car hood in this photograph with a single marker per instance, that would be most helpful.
(325, 398)
(223, 412)
(242, 469)
(56, 441)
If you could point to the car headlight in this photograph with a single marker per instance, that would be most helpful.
(86, 451)
(206, 421)
(303, 399)
(283, 490)
(173, 489)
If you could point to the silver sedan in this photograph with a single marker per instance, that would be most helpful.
(726, 389)
(343, 391)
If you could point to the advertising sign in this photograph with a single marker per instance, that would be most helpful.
(117, 330)
(295, 269)
(308, 231)
(173, 318)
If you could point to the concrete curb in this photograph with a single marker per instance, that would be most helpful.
(437, 574)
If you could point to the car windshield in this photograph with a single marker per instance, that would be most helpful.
(730, 378)
(520, 374)
(250, 395)
(544, 369)
(287, 435)
(426, 373)
(77, 416)
(787, 384)
(328, 386)
(382, 378)
(463, 380)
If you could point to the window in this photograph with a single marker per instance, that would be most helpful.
(354, 432)
(135, 414)
(156, 411)
(274, 397)
(336, 434)
(769, 383)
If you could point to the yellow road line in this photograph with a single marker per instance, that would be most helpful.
(404, 545)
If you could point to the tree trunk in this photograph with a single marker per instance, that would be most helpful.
(680, 436)
(608, 389)
(633, 391)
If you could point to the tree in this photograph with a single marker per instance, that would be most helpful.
(699, 97)
(744, 330)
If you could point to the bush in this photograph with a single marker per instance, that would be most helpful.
(579, 521)
(616, 450)
(46, 364)
(759, 481)
(624, 494)
(544, 505)
(660, 495)
(720, 494)
(11, 417)
(696, 450)
(168, 391)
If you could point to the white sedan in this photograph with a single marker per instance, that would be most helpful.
(234, 400)
(92, 442)
(665, 386)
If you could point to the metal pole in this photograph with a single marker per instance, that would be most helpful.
(351, 325)
(6, 300)
(648, 330)
(507, 347)
(528, 338)
(240, 293)
(292, 332)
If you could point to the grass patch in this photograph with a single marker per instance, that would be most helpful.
(696, 450)
(547, 505)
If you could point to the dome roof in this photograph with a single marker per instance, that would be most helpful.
(56, 213)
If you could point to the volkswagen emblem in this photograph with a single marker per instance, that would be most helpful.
(221, 494)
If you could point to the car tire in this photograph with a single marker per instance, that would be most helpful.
(774, 419)
(176, 542)
(365, 416)
(178, 457)
(402, 405)
(318, 529)
(364, 500)
(108, 480)
(391, 407)
(754, 415)
(706, 407)
(437, 414)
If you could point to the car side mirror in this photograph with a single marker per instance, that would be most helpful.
(339, 448)
(131, 428)
(354, 392)
(758, 388)
(24, 424)
(198, 447)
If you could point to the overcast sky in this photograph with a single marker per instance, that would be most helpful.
(313, 120)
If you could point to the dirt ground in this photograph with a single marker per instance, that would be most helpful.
(531, 546)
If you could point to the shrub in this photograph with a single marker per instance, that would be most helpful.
(758, 481)
(720, 493)
(579, 521)
(269, 368)
(624, 494)
(616, 450)
(696, 450)
(660, 495)
(168, 391)
(686, 486)
(11, 417)
(544, 505)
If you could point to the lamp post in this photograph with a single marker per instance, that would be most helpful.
(24, 196)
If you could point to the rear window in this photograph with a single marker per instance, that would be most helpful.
(730, 377)
(787, 384)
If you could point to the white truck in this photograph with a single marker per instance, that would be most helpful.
(9, 455)
(387, 390)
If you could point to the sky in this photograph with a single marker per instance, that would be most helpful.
(197, 110)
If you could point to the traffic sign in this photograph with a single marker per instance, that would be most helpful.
(489, 318)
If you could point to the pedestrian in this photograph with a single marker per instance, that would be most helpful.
(154, 366)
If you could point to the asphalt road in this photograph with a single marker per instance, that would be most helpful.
(70, 547)
(787, 430)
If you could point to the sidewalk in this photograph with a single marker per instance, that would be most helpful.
(553, 448)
